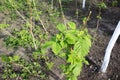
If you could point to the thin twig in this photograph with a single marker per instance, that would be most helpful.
(88, 18)
(98, 21)
(20, 65)
(51, 4)
(97, 25)
(35, 46)
(31, 26)
(39, 18)
(76, 3)
(63, 16)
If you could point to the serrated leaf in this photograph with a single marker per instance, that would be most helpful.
(71, 58)
(47, 44)
(77, 70)
(72, 25)
(63, 44)
(56, 48)
(85, 46)
(71, 39)
(77, 47)
(61, 27)
(86, 62)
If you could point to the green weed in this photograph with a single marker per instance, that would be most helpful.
(16, 67)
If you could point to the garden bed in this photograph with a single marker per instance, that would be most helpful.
(101, 35)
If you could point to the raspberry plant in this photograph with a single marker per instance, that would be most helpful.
(72, 45)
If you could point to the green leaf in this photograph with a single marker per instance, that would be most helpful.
(49, 65)
(36, 54)
(77, 47)
(102, 5)
(4, 76)
(85, 45)
(71, 39)
(63, 44)
(61, 27)
(76, 70)
(47, 44)
(71, 58)
(73, 78)
(56, 48)
(71, 32)
(16, 58)
(5, 58)
(86, 62)
(62, 55)
(3, 26)
(13, 75)
(72, 25)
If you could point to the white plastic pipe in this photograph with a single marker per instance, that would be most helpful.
(83, 4)
(109, 48)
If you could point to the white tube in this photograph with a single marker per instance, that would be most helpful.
(109, 48)
(83, 4)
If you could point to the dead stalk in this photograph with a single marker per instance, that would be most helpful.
(31, 26)
(40, 19)
(63, 16)
(98, 21)
(20, 65)
(76, 3)
(29, 22)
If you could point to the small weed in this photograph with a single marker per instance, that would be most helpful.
(19, 68)
(114, 3)
(19, 38)
(3, 26)
(102, 5)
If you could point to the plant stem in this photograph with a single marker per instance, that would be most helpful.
(88, 18)
(63, 16)
(22, 67)
(31, 26)
(39, 18)
(76, 3)
(51, 4)
(98, 21)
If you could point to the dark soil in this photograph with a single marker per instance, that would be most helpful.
(95, 58)
(110, 19)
